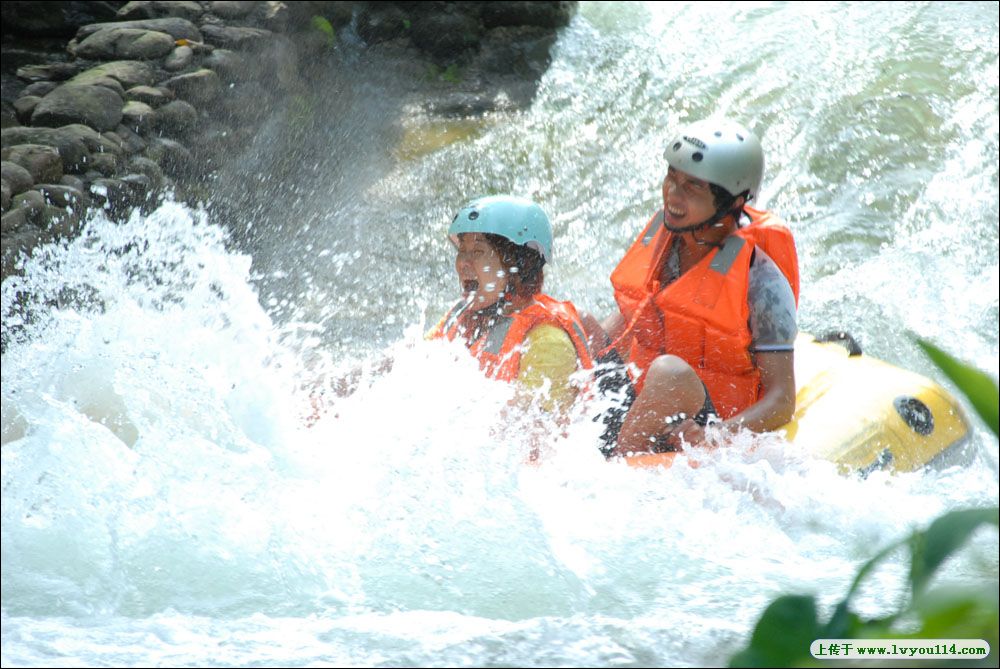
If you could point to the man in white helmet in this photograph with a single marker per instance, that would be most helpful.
(707, 296)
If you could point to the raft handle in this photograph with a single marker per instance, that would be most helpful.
(842, 337)
(883, 460)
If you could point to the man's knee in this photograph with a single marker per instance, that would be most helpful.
(671, 370)
(670, 374)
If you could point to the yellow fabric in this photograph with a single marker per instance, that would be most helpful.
(549, 356)
(436, 331)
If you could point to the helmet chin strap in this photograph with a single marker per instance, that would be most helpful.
(715, 221)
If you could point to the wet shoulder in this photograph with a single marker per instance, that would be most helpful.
(772, 306)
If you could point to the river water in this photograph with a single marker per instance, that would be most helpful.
(163, 503)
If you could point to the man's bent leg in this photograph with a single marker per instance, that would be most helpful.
(671, 388)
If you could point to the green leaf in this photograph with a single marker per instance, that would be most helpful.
(981, 390)
(944, 536)
(782, 635)
(843, 624)
(406, 24)
(321, 24)
(871, 564)
(954, 613)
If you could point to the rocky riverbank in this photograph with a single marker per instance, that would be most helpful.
(113, 105)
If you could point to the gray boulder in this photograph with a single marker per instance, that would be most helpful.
(523, 51)
(176, 118)
(152, 96)
(16, 247)
(179, 59)
(119, 196)
(164, 8)
(131, 141)
(24, 107)
(105, 164)
(445, 36)
(42, 162)
(199, 87)
(58, 223)
(16, 177)
(111, 144)
(235, 37)
(90, 137)
(72, 182)
(30, 200)
(138, 116)
(111, 84)
(176, 28)
(12, 221)
(72, 150)
(231, 10)
(140, 186)
(40, 88)
(125, 43)
(96, 106)
(147, 167)
(114, 138)
(175, 158)
(49, 72)
(541, 14)
(59, 195)
(129, 73)
(278, 15)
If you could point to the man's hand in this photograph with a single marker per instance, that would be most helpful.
(686, 433)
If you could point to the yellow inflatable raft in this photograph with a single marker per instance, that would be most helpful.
(862, 413)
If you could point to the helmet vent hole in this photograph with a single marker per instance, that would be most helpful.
(473, 215)
(718, 133)
(739, 137)
(677, 146)
(697, 156)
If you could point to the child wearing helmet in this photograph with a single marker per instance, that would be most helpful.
(515, 331)
(707, 297)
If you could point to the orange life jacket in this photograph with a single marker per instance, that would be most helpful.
(499, 349)
(703, 316)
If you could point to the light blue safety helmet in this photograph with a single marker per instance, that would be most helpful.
(515, 218)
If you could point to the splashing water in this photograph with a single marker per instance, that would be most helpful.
(159, 484)
(165, 503)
